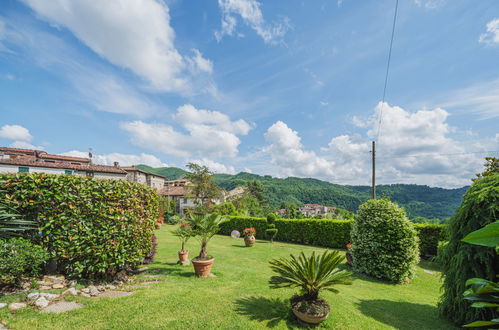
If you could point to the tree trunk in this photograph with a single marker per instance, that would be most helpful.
(203, 253)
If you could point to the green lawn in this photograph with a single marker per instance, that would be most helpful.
(239, 297)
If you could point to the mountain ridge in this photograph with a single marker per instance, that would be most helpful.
(418, 200)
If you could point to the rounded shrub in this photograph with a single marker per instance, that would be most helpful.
(19, 258)
(384, 242)
(462, 261)
(93, 228)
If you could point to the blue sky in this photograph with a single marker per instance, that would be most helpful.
(287, 88)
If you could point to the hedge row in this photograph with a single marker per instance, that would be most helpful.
(326, 233)
(92, 228)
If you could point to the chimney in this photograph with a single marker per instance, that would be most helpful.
(116, 164)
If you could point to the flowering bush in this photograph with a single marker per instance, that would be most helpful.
(349, 245)
(384, 242)
(247, 232)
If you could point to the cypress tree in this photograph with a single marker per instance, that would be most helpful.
(462, 261)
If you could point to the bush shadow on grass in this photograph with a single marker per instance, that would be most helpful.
(269, 310)
(408, 315)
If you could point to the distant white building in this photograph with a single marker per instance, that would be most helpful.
(149, 179)
(15, 160)
(312, 210)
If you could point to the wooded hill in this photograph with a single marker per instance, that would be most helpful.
(418, 200)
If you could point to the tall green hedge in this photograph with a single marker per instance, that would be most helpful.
(462, 261)
(327, 233)
(93, 228)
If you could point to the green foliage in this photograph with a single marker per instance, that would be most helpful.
(384, 242)
(203, 189)
(487, 236)
(462, 261)
(166, 207)
(204, 227)
(184, 233)
(271, 231)
(271, 218)
(11, 223)
(92, 227)
(225, 208)
(491, 167)
(311, 274)
(19, 258)
(429, 237)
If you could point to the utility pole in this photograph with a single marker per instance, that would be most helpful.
(373, 188)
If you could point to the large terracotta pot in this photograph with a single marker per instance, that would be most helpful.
(183, 258)
(249, 241)
(202, 268)
(310, 318)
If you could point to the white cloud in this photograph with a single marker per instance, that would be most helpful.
(210, 134)
(215, 166)
(287, 153)
(133, 34)
(251, 14)
(123, 159)
(199, 63)
(492, 34)
(430, 4)
(24, 145)
(413, 147)
(15, 132)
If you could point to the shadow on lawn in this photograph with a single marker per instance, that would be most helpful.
(272, 310)
(400, 315)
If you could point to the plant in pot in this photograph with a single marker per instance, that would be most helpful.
(184, 232)
(204, 227)
(311, 274)
(249, 236)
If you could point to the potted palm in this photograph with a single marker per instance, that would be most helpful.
(184, 232)
(249, 236)
(311, 274)
(204, 227)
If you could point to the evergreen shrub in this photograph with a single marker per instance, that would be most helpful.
(430, 235)
(384, 242)
(462, 261)
(19, 258)
(93, 228)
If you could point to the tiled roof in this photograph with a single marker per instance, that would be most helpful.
(172, 191)
(31, 161)
(134, 169)
(19, 150)
(67, 158)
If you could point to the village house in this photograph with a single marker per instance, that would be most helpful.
(15, 160)
(149, 179)
(312, 210)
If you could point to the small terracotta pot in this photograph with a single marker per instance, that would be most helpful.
(310, 318)
(249, 241)
(183, 257)
(202, 268)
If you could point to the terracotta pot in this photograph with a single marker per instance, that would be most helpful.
(183, 257)
(202, 268)
(310, 318)
(249, 241)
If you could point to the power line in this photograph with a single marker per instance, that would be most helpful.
(387, 68)
(437, 154)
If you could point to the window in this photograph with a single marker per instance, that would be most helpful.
(90, 174)
(23, 169)
(68, 172)
(185, 200)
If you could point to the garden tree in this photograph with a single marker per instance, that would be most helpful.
(384, 242)
(202, 188)
(225, 208)
(462, 261)
(256, 189)
(271, 230)
(491, 167)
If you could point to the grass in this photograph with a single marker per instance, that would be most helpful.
(239, 297)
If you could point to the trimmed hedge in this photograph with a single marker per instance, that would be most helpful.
(93, 228)
(326, 232)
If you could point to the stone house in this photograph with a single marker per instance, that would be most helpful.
(149, 179)
(312, 210)
(16, 160)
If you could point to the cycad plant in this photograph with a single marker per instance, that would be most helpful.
(311, 274)
(184, 233)
(204, 227)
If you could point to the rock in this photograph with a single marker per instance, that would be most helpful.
(41, 302)
(16, 306)
(54, 279)
(110, 287)
(141, 269)
(49, 296)
(71, 291)
(32, 297)
(84, 294)
(72, 283)
(122, 276)
(114, 294)
(101, 288)
(118, 283)
(62, 306)
(85, 290)
(45, 287)
(26, 285)
(93, 290)
(58, 286)
(2, 305)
